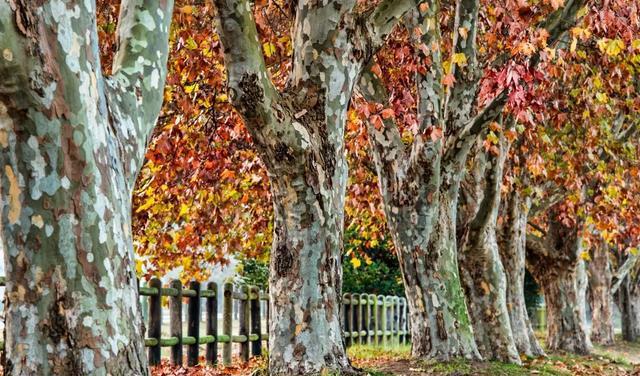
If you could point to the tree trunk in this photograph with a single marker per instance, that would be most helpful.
(600, 296)
(554, 263)
(427, 251)
(512, 252)
(628, 300)
(299, 134)
(72, 143)
(483, 275)
(306, 276)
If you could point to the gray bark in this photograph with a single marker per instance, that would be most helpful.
(628, 301)
(482, 272)
(554, 262)
(72, 143)
(513, 238)
(600, 296)
(299, 134)
(420, 193)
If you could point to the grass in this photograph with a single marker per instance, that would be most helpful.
(377, 361)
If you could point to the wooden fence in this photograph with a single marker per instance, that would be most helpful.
(367, 319)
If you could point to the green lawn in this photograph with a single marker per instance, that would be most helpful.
(396, 361)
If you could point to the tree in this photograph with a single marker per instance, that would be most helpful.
(299, 135)
(419, 180)
(628, 300)
(72, 142)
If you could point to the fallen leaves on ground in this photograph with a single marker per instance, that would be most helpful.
(253, 367)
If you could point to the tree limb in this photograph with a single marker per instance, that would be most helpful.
(384, 18)
(252, 92)
(461, 99)
(623, 271)
(386, 143)
(556, 25)
(140, 63)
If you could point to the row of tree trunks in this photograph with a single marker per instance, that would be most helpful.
(554, 261)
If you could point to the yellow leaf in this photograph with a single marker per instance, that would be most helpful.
(460, 59)
(269, 49)
(147, 204)
(356, 262)
(585, 256)
(184, 209)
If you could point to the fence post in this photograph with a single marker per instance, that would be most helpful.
(212, 324)
(376, 320)
(193, 324)
(227, 322)
(155, 322)
(396, 320)
(175, 322)
(403, 323)
(361, 308)
(244, 323)
(346, 302)
(383, 320)
(370, 320)
(256, 345)
(355, 327)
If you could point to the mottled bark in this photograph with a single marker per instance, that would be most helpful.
(513, 237)
(554, 262)
(299, 134)
(482, 272)
(628, 301)
(600, 296)
(72, 143)
(420, 201)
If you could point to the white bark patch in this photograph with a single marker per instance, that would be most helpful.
(67, 245)
(7, 54)
(37, 221)
(304, 134)
(146, 19)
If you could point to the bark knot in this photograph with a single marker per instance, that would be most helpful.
(251, 94)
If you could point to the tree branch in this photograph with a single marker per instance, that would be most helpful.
(556, 25)
(140, 63)
(251, 90)
(430, 89)
(461, 99)
(385, 17)
(623, 271)
(386, 143)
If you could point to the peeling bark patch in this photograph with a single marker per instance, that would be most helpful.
(284, 260)
(252, 94)
(442, 331)
(14, 196)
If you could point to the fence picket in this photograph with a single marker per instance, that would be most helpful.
(155, 322)
(227, 322)
(212, 324)
(193, 324)
(175, 322)
(256, 344)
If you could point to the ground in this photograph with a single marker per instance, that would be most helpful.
(611, 361)
(619, 360)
